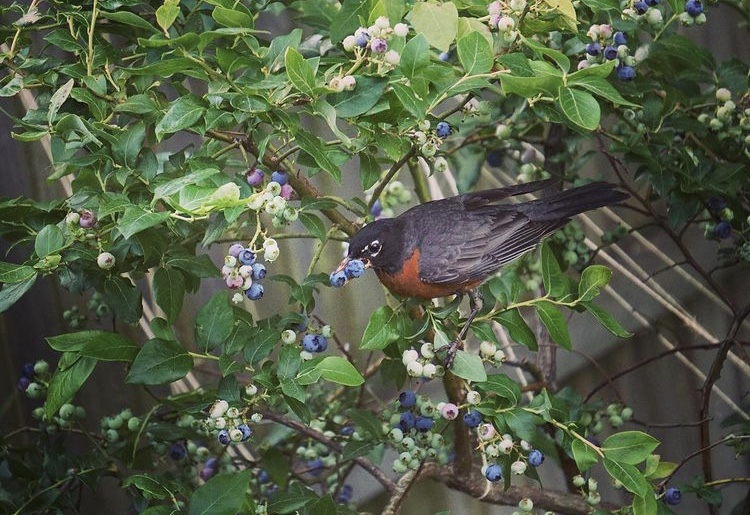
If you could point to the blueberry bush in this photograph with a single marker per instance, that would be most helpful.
(182, 126)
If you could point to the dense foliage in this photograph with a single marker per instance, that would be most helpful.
(180, 125)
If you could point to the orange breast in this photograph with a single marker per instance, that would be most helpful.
(407, 282)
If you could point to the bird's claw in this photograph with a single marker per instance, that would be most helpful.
(451, 353)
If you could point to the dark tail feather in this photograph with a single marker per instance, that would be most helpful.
(571, 202)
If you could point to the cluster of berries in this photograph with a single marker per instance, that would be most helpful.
(615, 414)
(34, 379)
(273, 198)
(608, 45)
(96, 304)
(589, 489)
(373, 42)
(230, 422)
(523, 454)
(393, 195)
(312, 342)
(353, 269)
(722, 229)
(489, 352)
(429, 141)
(196, 462)
(645, 10)
(115, 428)
(419, 363)
(693, 14)
(503, 17)
(410, 431)
(241, 271)
(727, 120)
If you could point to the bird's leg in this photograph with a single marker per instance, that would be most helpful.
(475, 304)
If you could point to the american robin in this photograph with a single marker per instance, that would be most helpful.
(451, 246)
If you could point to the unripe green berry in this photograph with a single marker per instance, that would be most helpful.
(112, 435)
(134, 423)
(34, 391)
(723, 95)
(41, 367)
(578, 481)
(67, 411)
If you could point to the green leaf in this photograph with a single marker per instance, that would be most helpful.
(289, 362)
(167, 13)
(413, 103)
(57, 99)
(128, 18)
(528, 87)
(128, 145)
(580, 107)
(224, 494)
(521, 423)
(67, 380)
(381, 330)
(314, 225)
(100, 345)
(318, 150)
(124, 298)
(149, 485)
(135, 220)
(438, 23)
(361, 99)
(630, 477)
(160, 362)
(347, 20)
(554, 280)
(369, 170)
(593, 278)
(338, 370)
(541, 50)
(602, 5)
(415, 57)
(584, 456)
(469, 366)
(630, 447)
(12, 273)
(214, 322)
(170, 187)
(10, 293)
(601, 88)
(475, 53)
(645, 505)
(300, 72)
(504, 387)
(517, 327)
(49, 241)
(169, 291)
(608, 321)
(554, 321)
(232, 18)
(260, 345)
(182, 114)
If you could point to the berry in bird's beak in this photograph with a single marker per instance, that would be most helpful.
(348, 269)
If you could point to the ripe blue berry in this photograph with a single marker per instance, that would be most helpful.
(235, 249)
(536, 457)
(315, 467)
(723, 230)
(625, 73)
(493, 473)
(347, 430)
(593, 48)
(619, 38)
(362, 39)
(694, 7)
(246, 431)
(673, 496)
(246, 257)
(345, 495)
(716, 204)
(27, 370)
(207, 472)
(280, 176)
(23, 383)
(177, 451)
(223, 437)
(254, 176)
(354, 268)
(376, 208)
(444, 56)
(338, 279)
(407, 399)
(263, 476)
(407, 421)
(424, 424)
(610, 52)
(314, 343)
(443, 129)
(640, 7)
(255, 292)
(495, 158)
(652, 3)
(473, 418)
(259, 271)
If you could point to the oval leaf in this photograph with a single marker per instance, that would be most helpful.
(160, 362)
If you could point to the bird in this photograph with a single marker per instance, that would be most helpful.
(451, 246)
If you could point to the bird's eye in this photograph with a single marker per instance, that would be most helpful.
(374, 248)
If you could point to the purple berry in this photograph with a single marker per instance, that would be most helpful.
(495, 158)
(246, 431)
(407, 421)
(254, 176)
(177, 451)
(723, 230)
(88, 219)
(223, 437)
(694, 7)
(376, 208)
(673, 496)
(536, 457)
(424, 424)
(23, 383)
(619, 38)
(207, 472)
(345, 495)
(473, 418)
(255, 292)
(259, 271)
(716, 204)
(652, 3)
(640, 7)
(211, 463)
(407, 399)
(354, 268)
(443, 129)
(27, 370)
(235, 249)
(610, 52)
(593, 48)
(286, 191)
(378, 45)
(246, 257)
(493, 473)
(625, 73)
(280, 176)
(338, 279)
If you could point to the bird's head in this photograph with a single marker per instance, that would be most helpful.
(378, 245)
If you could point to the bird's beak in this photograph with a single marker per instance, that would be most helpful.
(346, 260)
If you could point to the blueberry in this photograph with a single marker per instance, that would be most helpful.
(27, 370)
(619, 38)
(255, 292)
(263, 476)
(493, 473)
(207, 472)
(536, 457)
(424, 424)
(347, 430)
(641, 7)
(407, 421)
(593, 48)
(694, 7)
(444, 56)
(376, 208)
(235, 249)
(23, 383)
(354, 268)
(314, 343)
(716, 204)
(443, 129)
(673, 496)
(280, 176)
(723, 230)
(407, 399)
(652, 3)
(610, 52)
(495, 158)
(246, 431)
(315, 467)
(259, 271)
(625, 73)
(254, 176)
(338, 279)
(246, 257)
(211, 463)
(177, 451)
(473, 418)
(345, 495)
